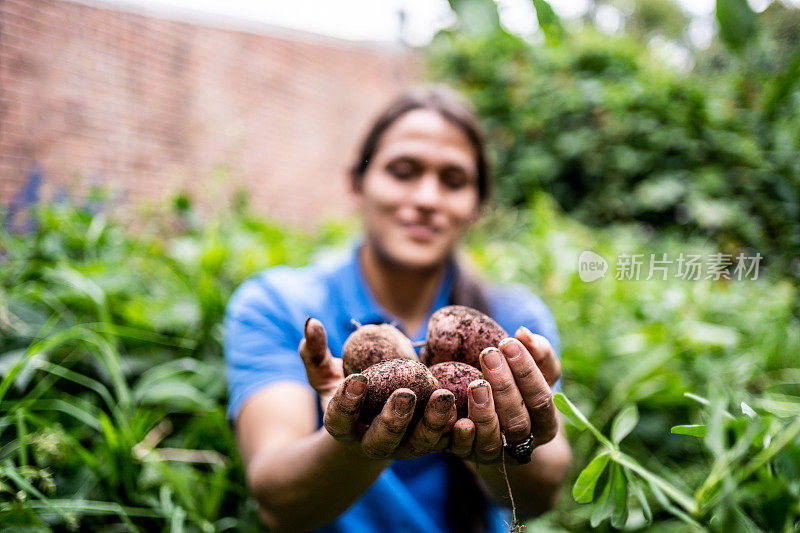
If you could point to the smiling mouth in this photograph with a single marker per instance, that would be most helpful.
(421, 232)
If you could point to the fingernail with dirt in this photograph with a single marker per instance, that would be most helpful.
(356, 385)
(403, 403)
(510, 348)
(480, 394)
(491, 357)
(444, 403)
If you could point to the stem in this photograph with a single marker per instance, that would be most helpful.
(22, 451)
(602, 438)
(10, 471)
(678, 496)
(777, 444)
(722, 465)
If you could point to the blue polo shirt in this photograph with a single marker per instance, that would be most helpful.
(264, 326)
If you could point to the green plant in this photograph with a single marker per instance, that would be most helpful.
(751, 483)
(648, 343)
(614, 132)
(112, 410)
(112, 413)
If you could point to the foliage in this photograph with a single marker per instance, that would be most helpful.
(683, 397)
(638, 355)
(110, 357)
(113, 410)
(613, 131)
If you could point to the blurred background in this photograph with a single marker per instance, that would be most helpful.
(153, 154)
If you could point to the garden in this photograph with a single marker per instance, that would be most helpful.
(681, 390)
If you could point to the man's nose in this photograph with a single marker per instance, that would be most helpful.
(427, 193)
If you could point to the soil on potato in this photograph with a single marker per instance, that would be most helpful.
(371, 344)
(460, 333)
(456, 377)
(387, 376)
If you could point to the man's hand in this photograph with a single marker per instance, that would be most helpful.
(388, 436)
(515, 397)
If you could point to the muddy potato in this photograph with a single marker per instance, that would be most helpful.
(456, 377)
(371, 344)
(460, 333)
(387, 376)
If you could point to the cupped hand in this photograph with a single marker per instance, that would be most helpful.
(391, 434)
(515, 399)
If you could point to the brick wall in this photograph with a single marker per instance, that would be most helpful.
(149, 105)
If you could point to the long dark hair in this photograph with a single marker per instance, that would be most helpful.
(466, 502)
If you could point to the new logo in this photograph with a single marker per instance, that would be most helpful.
(591, 266)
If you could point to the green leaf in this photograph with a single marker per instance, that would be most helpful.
(737, 22)
(704, 334)
(569, 410)
(577, 418)
(664, 486)
(624, 423)
(548, 21)
(693, 430)
(786, 436)
(699, 399)
(781, 86)
(638, 493)
(583, 490)
(605, 504)
(620, 515)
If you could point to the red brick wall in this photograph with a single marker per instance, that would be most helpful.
(148, 106)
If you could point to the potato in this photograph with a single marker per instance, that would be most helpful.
(456, 377)
(460, 333)
(387, 376)
(371, 344)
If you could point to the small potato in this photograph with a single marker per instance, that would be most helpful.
(387, 376)
(460, 333)
(371, 344)
(456, 377)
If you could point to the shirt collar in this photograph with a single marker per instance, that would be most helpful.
(360, 304)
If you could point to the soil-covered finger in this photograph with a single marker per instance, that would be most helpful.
(314, 347)
(511, 410)
(388, 428)
(543, 354)
(488, 442)
(439, 412)
(462, 438)
(341, 414)
(536, 392)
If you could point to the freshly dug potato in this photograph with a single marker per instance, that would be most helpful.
(371, 344)
(456, 377)
(460, 333)
(387, 376)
